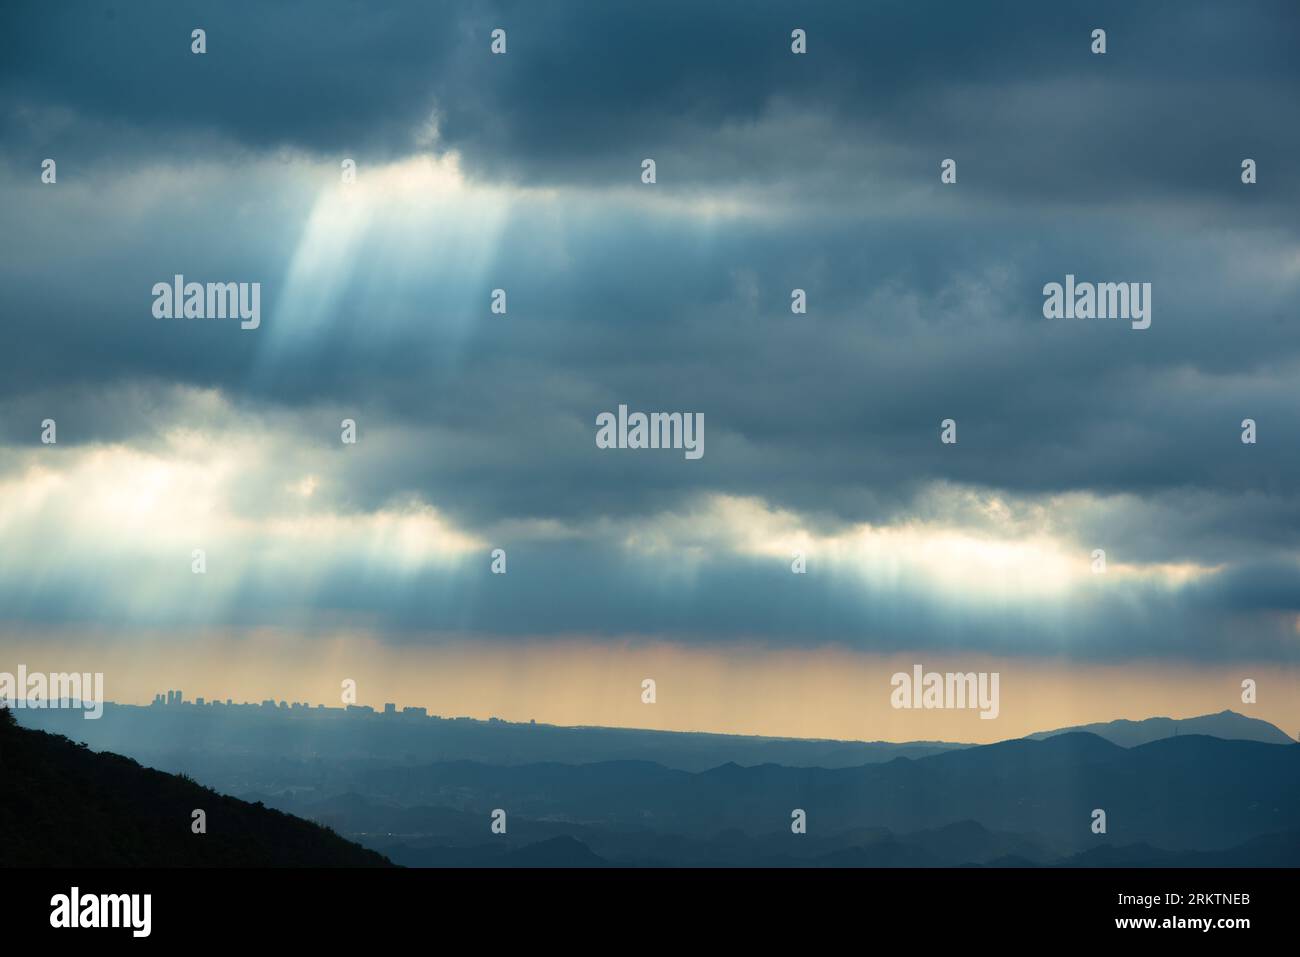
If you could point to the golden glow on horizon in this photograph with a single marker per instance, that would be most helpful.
(823, 693)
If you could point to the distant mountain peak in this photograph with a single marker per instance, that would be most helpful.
(1227, 724)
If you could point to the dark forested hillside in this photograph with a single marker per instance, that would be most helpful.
(63, 805)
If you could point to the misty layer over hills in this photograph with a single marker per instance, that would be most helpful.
(1218, 790)
(163, 731)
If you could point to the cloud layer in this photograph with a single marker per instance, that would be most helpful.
(775, 172)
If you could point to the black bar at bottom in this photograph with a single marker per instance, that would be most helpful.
(327, 907)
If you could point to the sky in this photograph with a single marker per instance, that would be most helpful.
(476, 431)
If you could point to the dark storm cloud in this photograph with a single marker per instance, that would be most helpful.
(562, 589)
(836, 412)
(318, 76)
(925, 300)
(588, 89)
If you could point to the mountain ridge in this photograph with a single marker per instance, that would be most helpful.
(1228, 725)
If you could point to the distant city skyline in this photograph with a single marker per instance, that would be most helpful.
(826, 693)
(174, 699)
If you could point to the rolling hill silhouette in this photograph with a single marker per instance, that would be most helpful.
(1228, 725)
(1020, 800)
(62, 805)
(1189, 800)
